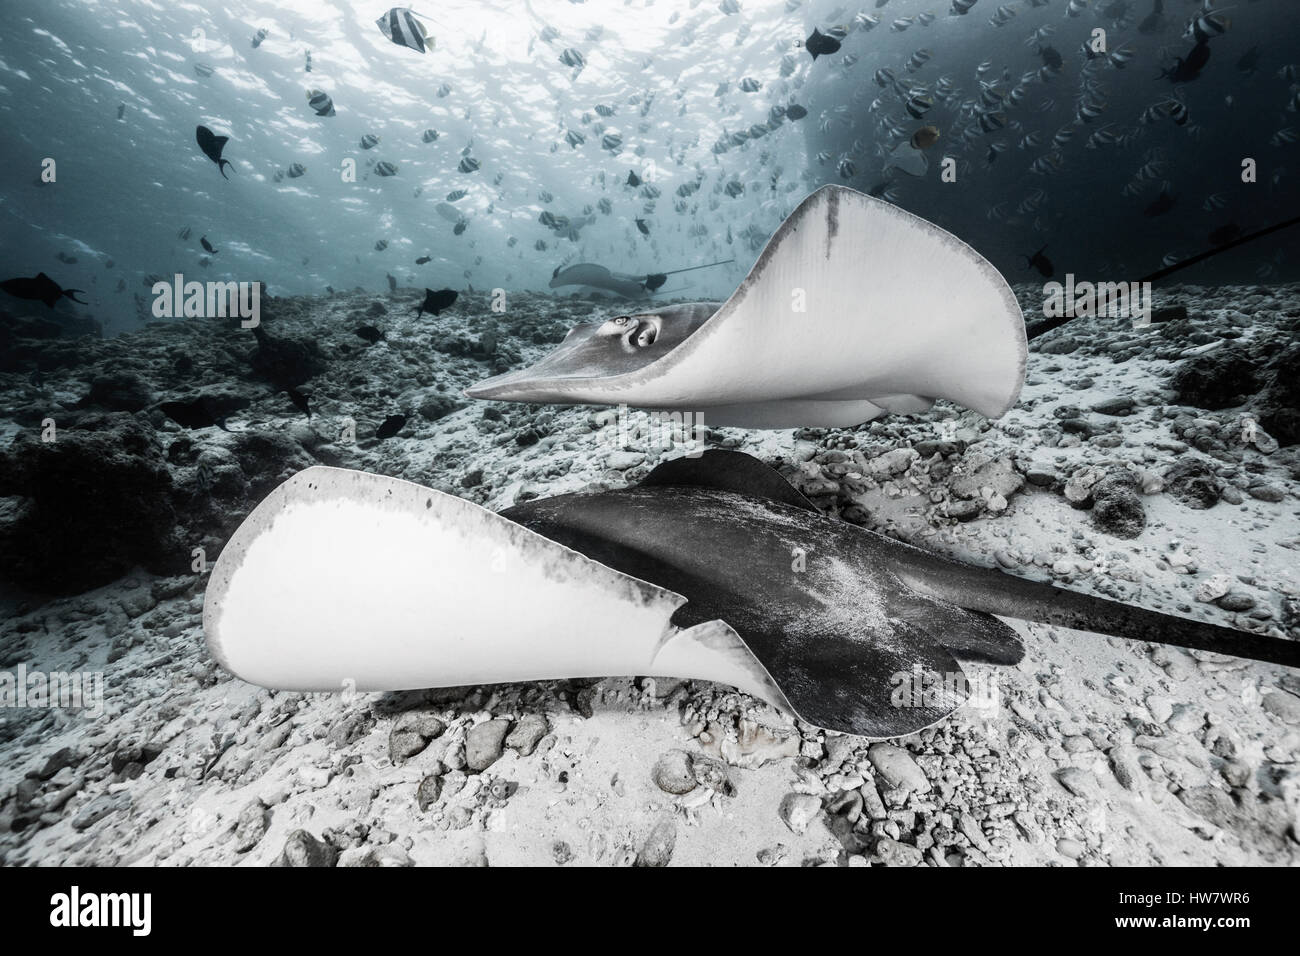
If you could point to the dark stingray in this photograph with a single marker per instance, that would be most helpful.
(40, 288)
(838, 615)
(212, 146)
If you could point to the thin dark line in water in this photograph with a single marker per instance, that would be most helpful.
(1046, 325)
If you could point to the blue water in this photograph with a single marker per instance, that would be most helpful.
(126, 189)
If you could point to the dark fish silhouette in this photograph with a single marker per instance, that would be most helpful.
(641, 224)
(435, 302)
(1162, 204)
(201, 412)
(392, 282)
(212, 146)
(369, 333)
(41, 288)
(633, 179)
(1051, 58)
(203, 241)
(1189, 68)
(1041, 263)
(422, 260)
(390, 426)
(299, 401)
(795, 112)
(819, 44)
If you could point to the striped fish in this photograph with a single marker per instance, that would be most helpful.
(400, 26)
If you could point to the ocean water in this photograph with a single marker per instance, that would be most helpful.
(104, 99)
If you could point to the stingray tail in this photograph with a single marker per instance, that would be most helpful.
(980, 589)
(73, 293)
(222, 164)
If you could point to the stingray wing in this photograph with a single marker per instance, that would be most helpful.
(854, 307)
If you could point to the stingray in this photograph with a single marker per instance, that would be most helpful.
(712, 568)
(212, 146)
(592, 276)
(854, 308)
(40, 288)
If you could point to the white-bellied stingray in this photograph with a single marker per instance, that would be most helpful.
(712, 568)
(854, 308)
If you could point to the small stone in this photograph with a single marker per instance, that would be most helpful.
(1270, 493)
(1236, 601)
(1213, 588)
(412, 737)
(673, 773)
(1194, 483)
(427, 794)
(485, 743)
(1079, 782)
(893, 853)
(1186, 719)
(623, 460)
(1283, 705)
(530, 729)
(659, 845)
(897, 768)
(251, 825)
(798, 810)
(1127, 769)
(302, 849)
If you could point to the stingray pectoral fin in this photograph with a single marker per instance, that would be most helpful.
(341, 579)
(851, 675)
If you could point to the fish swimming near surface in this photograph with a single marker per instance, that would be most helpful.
(687, 574)
(858, 259)
(320, 102)
(41, 288)
(435, 302)
(369, 141)
(633, 179)
(295, 170)
(213, 146)
(422, 260)
(203, 241)
(1040, 262)
(642, 227)
(795, 112)
(401, 27)
(385, 169)
(819, 44)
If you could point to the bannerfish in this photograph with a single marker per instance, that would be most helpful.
(320, 102)
(633, 179)
(795, 112)
(213, 146)
(400, 26)
(369, 141)
(641, 225)
(385, 169)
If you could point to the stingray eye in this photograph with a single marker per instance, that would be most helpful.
(615, 326)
